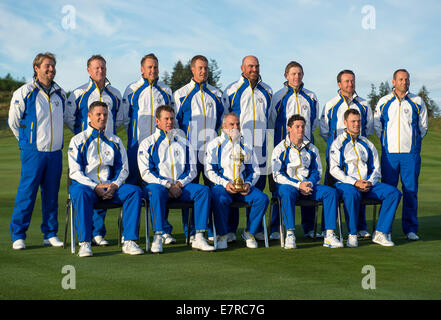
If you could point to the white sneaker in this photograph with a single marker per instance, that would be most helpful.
(382, 239)
(130, 247)
(259, 236)
(352, 241)
(249, 239)
(363, 234)
(275, 236)
(222, 242)
(156, 244)
(199, 243)
(85, 249)
(54, 242)
(231, 237)
(168, 239)
(331, 241)
(18, 244)
(412, 236)
(191, 239)
(100, 241)
(290, 241)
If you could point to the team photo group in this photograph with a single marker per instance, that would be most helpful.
(212, 148)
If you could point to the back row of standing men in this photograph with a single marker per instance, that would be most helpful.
(400, 121)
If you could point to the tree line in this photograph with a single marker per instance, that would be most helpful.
(181, 74)
(384, 89)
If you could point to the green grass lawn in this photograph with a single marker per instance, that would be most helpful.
(410, 270)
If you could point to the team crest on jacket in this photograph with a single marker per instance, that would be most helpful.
(406, 111)
(158, 101)
(260, 100)
(210, 105)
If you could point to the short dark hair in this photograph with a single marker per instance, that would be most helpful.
(198, 57)
(351, 111)
(95, 104)
(295, 117)
(293, 64)
(346, 71)
(95, 57)
(149, 56)
(400, 70)
(164, 107)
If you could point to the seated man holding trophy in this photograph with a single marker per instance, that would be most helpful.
(230, 166)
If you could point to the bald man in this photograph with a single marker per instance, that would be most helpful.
(250, 98)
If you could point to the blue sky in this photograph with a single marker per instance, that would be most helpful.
(324, 36)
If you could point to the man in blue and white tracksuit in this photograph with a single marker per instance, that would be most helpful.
(76, 118)
(250, 98)
(297, 169)
(36, 119)
(401, 123)
(140, 100)
(227, 159)
(97, 89)
(167, 165)
(292, 99)
(355, 165)
(332, 125)
(199, 111)
(98, 167)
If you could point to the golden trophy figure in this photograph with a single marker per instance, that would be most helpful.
(238, 182)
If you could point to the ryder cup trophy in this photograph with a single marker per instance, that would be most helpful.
(238, 182)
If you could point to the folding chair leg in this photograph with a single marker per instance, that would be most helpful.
(339, 222)
(147, 236)
(281, 227)
(72, 230)
(190, 214)
(314, 236)
(66, 227)
(374, 219)
(265, 232)
(214, 232)
(120, 227)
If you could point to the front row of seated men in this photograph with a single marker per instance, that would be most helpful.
(167, 164)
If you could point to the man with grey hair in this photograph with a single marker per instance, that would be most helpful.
(36, 119)
(250, 98)
(231, 168)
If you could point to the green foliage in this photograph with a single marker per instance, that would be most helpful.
(384, 89)
(10, 84)
(432, 107)
(181, 75)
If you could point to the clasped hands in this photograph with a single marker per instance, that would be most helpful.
(232, 190)
(175, 190)
(105, 191)
(363, 185)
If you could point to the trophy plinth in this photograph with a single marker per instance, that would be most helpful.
(239, 185)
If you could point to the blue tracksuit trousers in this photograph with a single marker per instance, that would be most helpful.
(84, 198)
(390, 197)
(158, 197)
(407, 166)
(221, 208)
(289, 195)
(38, 169)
